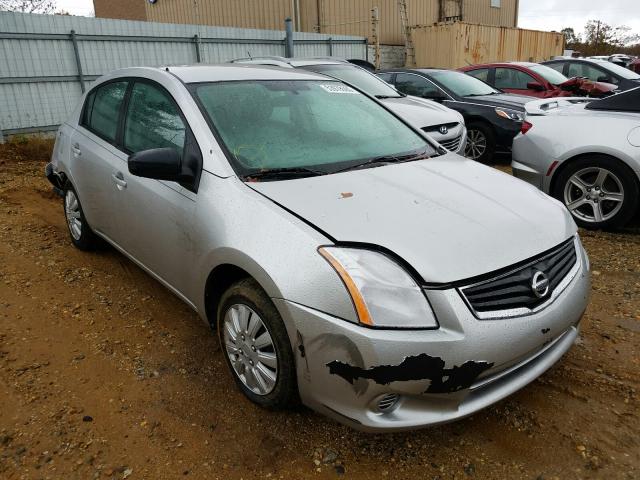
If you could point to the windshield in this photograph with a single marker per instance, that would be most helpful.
(324, 126)
(462, 84)
(618, 70)
(549, 74)
(365, 81)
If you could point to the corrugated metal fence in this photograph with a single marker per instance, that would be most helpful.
(46, 61)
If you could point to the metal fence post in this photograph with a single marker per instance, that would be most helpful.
(74, 40)
(1, 136)
(288, 46)
(330, 42)
(196, 40)
(366, 49)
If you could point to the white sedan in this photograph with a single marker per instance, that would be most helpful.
(585, 153)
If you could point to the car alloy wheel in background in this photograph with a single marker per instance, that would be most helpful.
(594, 194)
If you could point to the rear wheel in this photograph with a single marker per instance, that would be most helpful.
(81, 234)
(481, 144)
(256, 346)
(599, 191)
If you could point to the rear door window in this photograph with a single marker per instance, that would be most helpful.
(416, 86)
(102, 109)
(510, 78)
(153, 120)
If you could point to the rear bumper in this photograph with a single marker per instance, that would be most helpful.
(55, 179)
(438, 375)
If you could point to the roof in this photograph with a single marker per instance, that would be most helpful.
(230, 72)
(290, 62)
(505, 64)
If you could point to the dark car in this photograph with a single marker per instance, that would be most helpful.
(493, 118)
(597, 71)
(535, 80)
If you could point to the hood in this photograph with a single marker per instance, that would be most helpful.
(449, 217)
(584, 86)
(506, 100)
(422, 113)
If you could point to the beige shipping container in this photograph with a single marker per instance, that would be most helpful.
(459, 44)
(340, 17)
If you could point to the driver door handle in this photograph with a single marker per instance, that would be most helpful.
(118, 179)
(75, 148)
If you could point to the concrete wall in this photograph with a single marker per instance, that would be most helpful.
(391, 56)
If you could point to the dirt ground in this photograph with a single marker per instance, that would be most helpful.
(105, 374)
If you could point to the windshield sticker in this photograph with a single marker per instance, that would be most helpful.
(338, 88)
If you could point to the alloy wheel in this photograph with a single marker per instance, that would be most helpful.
(72, 212)
(594, 194)
(250, 349)
(476, 144)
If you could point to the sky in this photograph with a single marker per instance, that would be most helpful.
(534, 14)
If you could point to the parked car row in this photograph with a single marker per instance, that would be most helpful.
(320, 219)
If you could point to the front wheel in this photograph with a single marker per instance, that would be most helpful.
(256, 346)
(481, 144)
(599, 191)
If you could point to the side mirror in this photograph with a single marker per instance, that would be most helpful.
(535, 86)
(604, 79)
(157, 163)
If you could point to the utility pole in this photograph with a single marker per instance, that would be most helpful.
(375, 21)
(409, 50)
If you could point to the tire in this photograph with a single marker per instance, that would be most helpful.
(79, 230)
(248, 357)
(481, 142)
(599, 191)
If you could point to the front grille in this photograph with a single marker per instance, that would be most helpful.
(436, 128)
(513, 291)
(452, 144)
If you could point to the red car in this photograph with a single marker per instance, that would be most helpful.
(635, 65)
(536, 80)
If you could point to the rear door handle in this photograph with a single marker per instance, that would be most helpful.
(75, 148)
(118, 179)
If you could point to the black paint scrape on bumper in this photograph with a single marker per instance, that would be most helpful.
(56, 180)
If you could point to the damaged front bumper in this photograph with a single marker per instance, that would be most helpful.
(391, 380)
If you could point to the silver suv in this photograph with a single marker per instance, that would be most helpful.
(343, 257)
(444, 125)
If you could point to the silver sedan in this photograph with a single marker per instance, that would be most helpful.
(344, 259)
(585, 153)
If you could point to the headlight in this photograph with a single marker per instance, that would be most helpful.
(383, 293)
(510, 114)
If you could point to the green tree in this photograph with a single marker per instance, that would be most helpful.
(600, 38)
(571, 40)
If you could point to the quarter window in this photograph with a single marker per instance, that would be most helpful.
(512, 78)
(152, 120)
(102, 109)
(480, 74)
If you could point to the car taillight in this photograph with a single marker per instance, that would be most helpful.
(526, 126)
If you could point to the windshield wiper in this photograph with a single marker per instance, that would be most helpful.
(385, 160)
(282, 173)
(384, 97)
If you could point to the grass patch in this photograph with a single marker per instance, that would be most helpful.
(22, 148)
